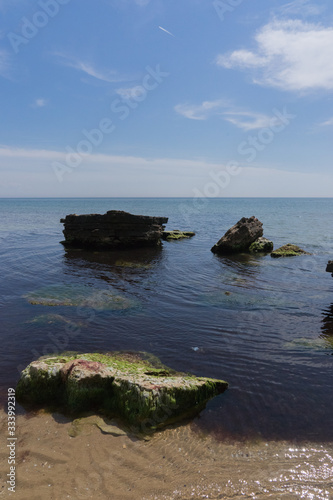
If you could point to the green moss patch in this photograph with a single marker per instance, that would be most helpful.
(134, 386)
(288, 250)
(177, 235)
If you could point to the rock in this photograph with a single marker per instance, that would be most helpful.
(329, 267)
(177, 235)
(239, 237)
(115, 229)
(289, 250)
(261, 245)
(132, 386)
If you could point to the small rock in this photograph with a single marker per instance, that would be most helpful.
(176, 235)
(289, 250)
(262, 245)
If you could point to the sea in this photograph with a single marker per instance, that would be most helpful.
(264, 325)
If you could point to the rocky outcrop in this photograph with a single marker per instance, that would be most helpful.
(239, 237)
(177, 235)
(115, 229)
(289, 250)
(329, 267)
(133, 386)
(261, 245)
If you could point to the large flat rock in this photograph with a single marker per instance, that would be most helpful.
(113, 230)
(133, 386)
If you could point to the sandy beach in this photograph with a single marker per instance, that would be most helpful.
(179, 463)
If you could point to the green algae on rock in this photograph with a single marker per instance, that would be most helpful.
(289, 250)
(135, 387)
(83, 296)
(261, 245)
(176, 235)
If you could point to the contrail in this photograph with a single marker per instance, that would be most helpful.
(166, 31)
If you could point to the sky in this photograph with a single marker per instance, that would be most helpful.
(175, 98)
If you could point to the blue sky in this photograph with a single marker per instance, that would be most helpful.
(166, 98)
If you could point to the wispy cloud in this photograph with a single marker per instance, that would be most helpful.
(290, 55)
(327, 123)
(166, 31)
(40, 103)
(243, 119)
(27, 172)
(302, 8)
(110, 76)
(201, 111)
(131, 92)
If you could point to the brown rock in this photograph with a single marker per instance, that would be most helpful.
(239, 237)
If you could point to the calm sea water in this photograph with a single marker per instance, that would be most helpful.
(270, 336)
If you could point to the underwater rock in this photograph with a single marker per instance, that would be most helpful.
(289, 250)
(239, 237)
(82, 296)
(132, 386)
(176, 235)
(262, 245)
(114, 230)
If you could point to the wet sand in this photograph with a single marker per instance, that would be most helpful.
(179, 463)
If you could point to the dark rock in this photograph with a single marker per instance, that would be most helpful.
(289, 250)
(115, 229)
(133, 386)
(239, 237)
(177, 235)
(329, 267)
(262, 245)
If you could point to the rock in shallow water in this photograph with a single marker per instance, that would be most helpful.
(132, 386)
(289, 250)
(239, 237)
(261, 245)
(177, 235)
(115, 229)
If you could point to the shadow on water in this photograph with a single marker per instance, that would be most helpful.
(128, 265)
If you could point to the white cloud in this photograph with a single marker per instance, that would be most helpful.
(327, 123)
(243, 119)
(131, 92)
(110, 76)
(201, 111)
(27, 172)
(301, 7)
(290, 55)
(40, 103)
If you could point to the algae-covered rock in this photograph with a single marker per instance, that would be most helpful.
(177, 235)
(83, 296)
(261, 245)
(132, 386)
(289, 250)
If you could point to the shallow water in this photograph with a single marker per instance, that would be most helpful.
(265, 325)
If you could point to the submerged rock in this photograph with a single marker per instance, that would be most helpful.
(177, 235)
(289, 250)
(239, 237)
(83, 296)
(261, 245)
(115, 229)
(132, 386)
